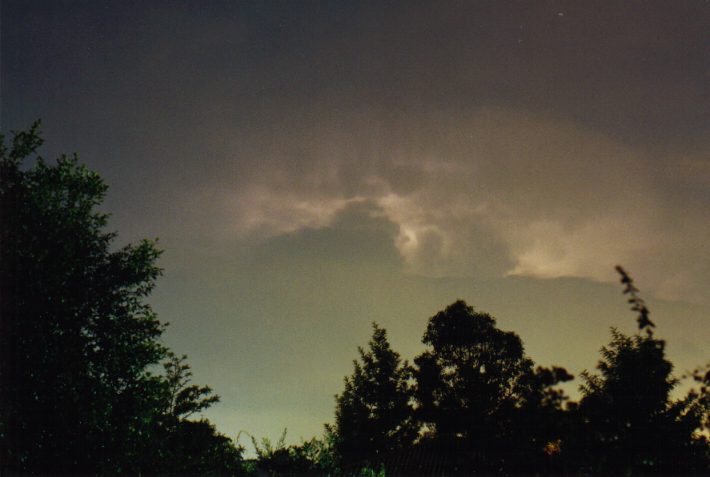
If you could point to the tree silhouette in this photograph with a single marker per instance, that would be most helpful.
(181, 446)
(184, 399)
(629, 424)
(637, 303)
(76, 336)
(538, 423)
(479, 395)
(196, 448)
(373, 413)
(274, 458)
(696, 406)
(312, 457)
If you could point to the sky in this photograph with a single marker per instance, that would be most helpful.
(311, 167)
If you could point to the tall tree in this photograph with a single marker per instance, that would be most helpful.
(477, 390)
(76, 336)
(373, 414)
(469, 374)
(629, 423)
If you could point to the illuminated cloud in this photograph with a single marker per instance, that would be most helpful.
(498, 141)
(491, 193)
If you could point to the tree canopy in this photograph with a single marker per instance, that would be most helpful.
(373, 415)
(470, 376)
(77, 338)
(627, 415)
(477, 390)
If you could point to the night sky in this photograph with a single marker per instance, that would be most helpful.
(311, 167)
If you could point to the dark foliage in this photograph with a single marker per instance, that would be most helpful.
(313, 457)
(627, 422)
(184, 399)
(184, 447)
(373, 415)
(637, 303)
(700, 396)
(477, 392)
(77, 338)
(484, 410)
(196, 448)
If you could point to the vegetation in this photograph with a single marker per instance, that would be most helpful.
(477, 391)
(78, 341)
(626, 415)
(374, 414)
(313, 457)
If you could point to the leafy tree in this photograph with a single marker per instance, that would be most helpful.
(478, 393)
(629, 424)
(76, 337)
(184, 446)
(374, 414)
(469, 375)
